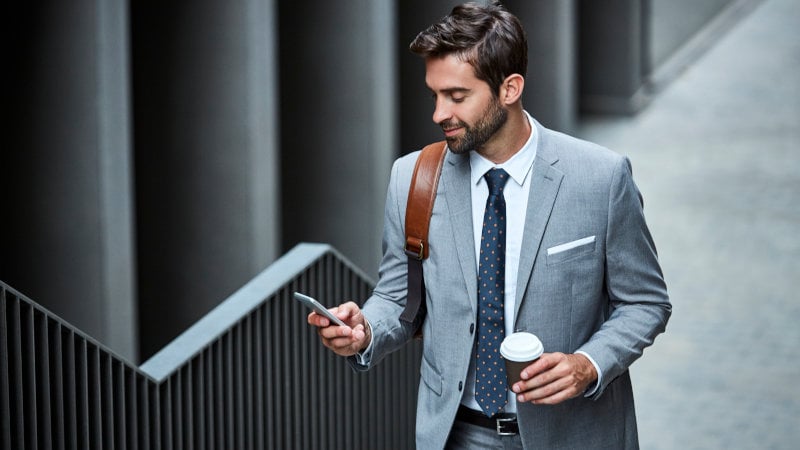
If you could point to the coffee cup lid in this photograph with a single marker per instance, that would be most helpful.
(521, 347)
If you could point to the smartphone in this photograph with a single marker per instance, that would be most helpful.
(318, 308)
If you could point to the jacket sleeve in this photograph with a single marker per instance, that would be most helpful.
(384, 307)
(639, 304)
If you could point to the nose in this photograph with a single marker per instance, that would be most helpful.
(441, 112)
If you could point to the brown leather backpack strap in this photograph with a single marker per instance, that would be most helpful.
(421, 196)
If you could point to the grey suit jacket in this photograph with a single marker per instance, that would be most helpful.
(606, 297)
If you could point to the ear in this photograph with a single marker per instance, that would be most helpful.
(511, 89)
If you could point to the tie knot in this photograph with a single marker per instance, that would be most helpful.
(496, 179)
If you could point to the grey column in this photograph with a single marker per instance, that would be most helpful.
(66, 238)
(206, 156)
(338, 103)
(613, 56)
(551, 85)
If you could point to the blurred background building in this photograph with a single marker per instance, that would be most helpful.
(157, 155)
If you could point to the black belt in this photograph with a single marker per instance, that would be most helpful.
(504, 424)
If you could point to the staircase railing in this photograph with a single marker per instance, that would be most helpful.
(249, 375)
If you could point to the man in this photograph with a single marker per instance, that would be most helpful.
(574, 263)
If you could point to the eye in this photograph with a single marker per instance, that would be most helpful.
(458, 99)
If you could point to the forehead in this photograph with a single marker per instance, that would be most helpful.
(450, 72)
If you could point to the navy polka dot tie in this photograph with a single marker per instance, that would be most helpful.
(490, 374)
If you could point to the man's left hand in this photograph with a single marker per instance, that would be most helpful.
(555, 377)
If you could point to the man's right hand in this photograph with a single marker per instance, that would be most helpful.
(344, 341)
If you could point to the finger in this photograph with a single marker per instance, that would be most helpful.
(556, 391)
(556, 398)
(318, 320)
(334, 331)
(542, 364)
(358, 333)
(347, 311)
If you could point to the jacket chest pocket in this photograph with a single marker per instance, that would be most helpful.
(571, 250)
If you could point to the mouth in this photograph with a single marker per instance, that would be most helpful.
(450, 132)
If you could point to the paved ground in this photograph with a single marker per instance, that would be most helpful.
(717, 157)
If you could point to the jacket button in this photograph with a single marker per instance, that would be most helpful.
(460, 386)
(471, 328)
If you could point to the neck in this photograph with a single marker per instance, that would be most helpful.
(509, 139)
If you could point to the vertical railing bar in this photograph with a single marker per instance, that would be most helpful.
(319, 274)
(247, 383)
(131, 408)
(219, 403)
(57, 399)
(199, 400)
(334, 286)
(355, 383)
(95, 398)
(106, 387)
(117, 402)
(16, 377)
(346, 392)
(280, 367)
(314, 377)
(323, 277)
(43, 380)
(28, 358)
(313, 278)
(177, 422)
(238, 416)
(210, 406)
(258, 379)
(68, 363)
(145, 431)
(197, 406)
(5, 384)
(295, 428)
(230, 437)
(155, 401)
(188, 407)
(166, 404)
(269, 374)
(81, 393)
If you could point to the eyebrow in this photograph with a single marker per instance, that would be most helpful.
(451, 90)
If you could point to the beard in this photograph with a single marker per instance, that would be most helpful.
(474, 137)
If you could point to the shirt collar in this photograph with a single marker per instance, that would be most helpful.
(518, 166)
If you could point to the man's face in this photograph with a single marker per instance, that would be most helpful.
(466, 109)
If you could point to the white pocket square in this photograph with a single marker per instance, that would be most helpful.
(569, 245)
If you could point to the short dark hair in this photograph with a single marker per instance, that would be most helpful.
(489, 38)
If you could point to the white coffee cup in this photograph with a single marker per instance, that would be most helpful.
(519, 350)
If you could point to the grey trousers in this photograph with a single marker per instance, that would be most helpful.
(465, 436)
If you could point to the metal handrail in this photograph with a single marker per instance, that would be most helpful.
(249, 374)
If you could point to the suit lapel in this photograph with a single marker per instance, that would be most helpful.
(458, 193)
(545, 182)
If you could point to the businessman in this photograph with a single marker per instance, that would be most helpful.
(532, 230)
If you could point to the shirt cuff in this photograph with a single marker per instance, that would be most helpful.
(592, 389)
(364, 357)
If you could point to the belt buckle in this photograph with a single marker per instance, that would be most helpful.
(503, 422)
